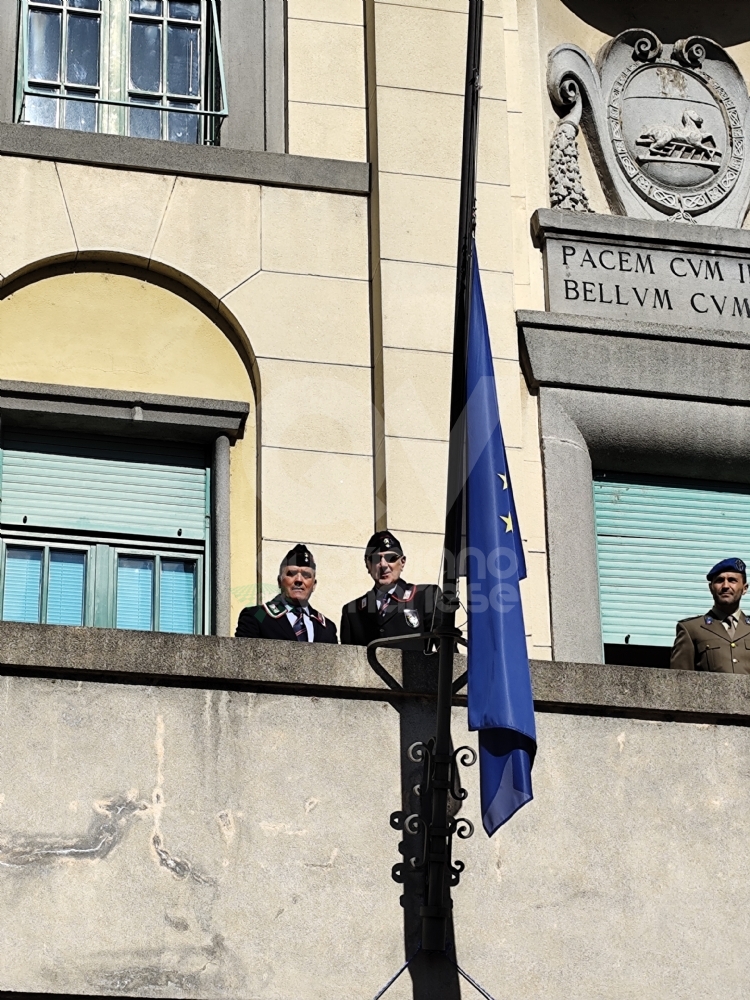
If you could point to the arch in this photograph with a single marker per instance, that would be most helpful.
(108, 324)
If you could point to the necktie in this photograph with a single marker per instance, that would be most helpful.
(300, 629)
(384, 605)
(732, 623)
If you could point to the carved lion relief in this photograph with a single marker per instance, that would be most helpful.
(665, 125)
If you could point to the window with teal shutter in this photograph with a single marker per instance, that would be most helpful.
(104, 531)
(177, 596)
(22, 584)
(65, 592)
(656, 540)
(135, 586)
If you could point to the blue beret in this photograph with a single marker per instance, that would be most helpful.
(726, 566)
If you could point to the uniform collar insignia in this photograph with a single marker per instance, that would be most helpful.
(317, 615)
(708, 620)
(404, 591)
(276, 608)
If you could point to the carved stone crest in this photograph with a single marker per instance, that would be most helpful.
(665, 125)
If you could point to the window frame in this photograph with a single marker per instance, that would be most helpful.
(100, 574)
(114, 103)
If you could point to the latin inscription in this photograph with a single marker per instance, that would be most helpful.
(651, 285)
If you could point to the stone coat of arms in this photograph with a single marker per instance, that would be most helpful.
(665, 125)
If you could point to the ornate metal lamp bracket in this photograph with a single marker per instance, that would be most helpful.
(440, 772)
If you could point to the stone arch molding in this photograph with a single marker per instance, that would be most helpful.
(666, 126)
(203, 234)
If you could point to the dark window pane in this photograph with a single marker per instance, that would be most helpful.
(83, 50)
(135, 590)
(177, 596)
(23, 582)
(145, 56)
(183, 60)
(85, 4)
(65, 587)
(145, 124)
(41, 111)
(44, 45)
(183, 127)
(152, 7)
(188, 10)
(80, 115)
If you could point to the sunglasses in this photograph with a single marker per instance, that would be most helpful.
(390, 557)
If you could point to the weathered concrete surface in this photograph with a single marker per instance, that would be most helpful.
(330, 670)
(169, 842)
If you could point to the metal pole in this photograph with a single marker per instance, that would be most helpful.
(438, 903)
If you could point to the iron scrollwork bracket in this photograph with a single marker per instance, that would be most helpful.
(420, 825)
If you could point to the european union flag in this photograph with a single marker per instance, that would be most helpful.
(501, 706)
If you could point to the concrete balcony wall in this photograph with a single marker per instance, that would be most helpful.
(203, 817)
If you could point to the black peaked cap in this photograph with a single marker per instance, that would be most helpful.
(383, 541)
(300, 555)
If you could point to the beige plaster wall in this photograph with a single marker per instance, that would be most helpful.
(326, 78)
(419, 92)
(296, 297)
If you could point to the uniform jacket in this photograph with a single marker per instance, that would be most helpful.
(269, 621)
(703, 643)
(410, 611)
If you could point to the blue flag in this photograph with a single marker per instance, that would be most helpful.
(501, 706)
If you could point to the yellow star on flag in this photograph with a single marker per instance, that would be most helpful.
(504, 479)
(508, 522)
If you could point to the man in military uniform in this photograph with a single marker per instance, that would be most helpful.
(289, 615)
(720, 640)
(393, 607)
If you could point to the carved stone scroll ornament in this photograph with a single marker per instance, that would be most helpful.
(665, 125)
(566, 188)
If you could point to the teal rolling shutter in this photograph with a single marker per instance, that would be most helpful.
(65, 587)
(177, 596)
(656, 539)
(135, 593)
(145, 488)
(23, 584)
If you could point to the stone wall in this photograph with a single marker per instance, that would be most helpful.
(203, 817)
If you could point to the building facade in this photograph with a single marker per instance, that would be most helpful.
(227, 263)
(283, 243)
(303, 268)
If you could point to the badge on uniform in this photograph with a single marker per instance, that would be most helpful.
(412, 618)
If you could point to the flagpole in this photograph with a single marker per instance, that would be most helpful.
(436, 911)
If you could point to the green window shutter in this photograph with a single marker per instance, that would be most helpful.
(656, 540)
(144, 488)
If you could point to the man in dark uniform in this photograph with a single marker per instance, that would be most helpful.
(289, 615)
(393, 607)
(720, 640)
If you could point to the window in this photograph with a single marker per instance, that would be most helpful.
(146, 68)
(656, 539)
(101, 531)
